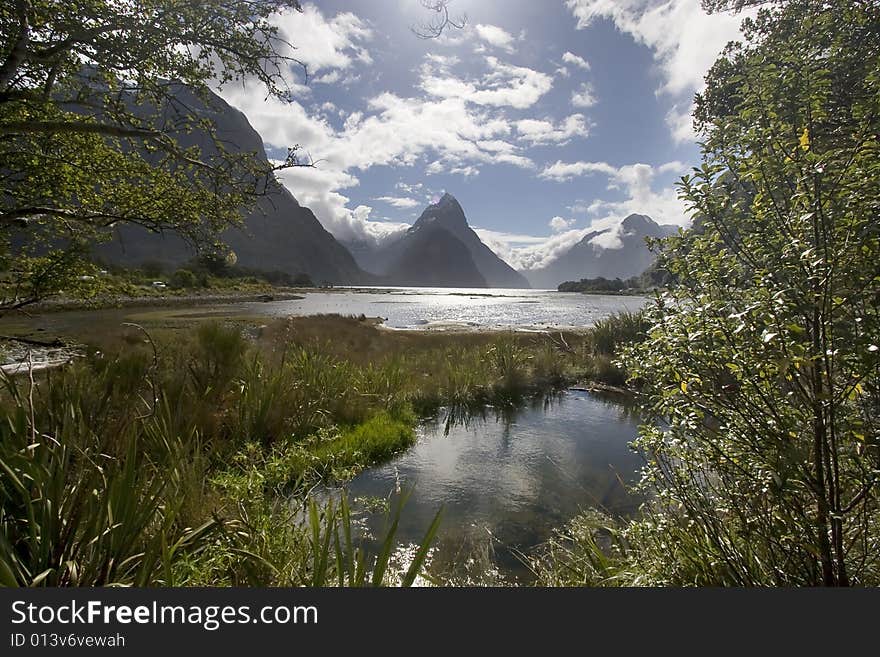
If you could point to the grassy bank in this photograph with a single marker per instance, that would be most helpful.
(128, 297)
(187, 457)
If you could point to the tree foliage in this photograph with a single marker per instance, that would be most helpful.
(715, 6)
(762, 360)
(98, 104)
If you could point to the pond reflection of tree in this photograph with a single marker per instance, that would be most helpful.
(508, 408)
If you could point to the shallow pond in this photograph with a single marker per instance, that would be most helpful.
(506, 481)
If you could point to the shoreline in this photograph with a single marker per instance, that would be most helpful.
(105, 303)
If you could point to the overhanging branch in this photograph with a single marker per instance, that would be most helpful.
(50, 127)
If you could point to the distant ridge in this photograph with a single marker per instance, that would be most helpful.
(588, 260)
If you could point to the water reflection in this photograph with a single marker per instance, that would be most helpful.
(507, 477)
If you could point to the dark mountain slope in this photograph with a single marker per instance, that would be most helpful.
(279, 234)
(434, 257)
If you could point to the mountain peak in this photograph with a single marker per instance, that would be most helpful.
(611, 253)
(447, 212)
(450, 205)
(638, 221)
(443, 228)
(446, 199)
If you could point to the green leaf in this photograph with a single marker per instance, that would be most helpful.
(422, 553)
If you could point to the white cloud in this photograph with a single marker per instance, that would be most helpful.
(465, 171)
(542, 252)
(332, 77)
(636, 181)
(673, 167)
(442, 62)
(398, 201)
(685, 41)
(508, 246)
(544, 131)
(410, 188)
(504, 85)
(583, 96)
(496, 36)
(680, 120)
(442, 167)
(559, 224)
(548, 249)
(461, 124)
(576, 60)
(580, 206)
(323, 43)
(563, 171)
(391, 131)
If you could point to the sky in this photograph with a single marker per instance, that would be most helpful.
(544, 118)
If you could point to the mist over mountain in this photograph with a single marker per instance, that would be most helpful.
(278, 234)
(449, 246)
(611, 253)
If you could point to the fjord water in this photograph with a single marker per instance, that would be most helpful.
(466, 307)
(506, 480)
(400, 308)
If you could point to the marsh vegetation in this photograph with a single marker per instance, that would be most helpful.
(186, 457)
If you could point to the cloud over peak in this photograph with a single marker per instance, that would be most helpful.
(558, 224)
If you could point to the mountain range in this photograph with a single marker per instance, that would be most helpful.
(589, 259)
(439, 250)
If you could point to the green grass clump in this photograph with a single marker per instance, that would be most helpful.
(607, 335)
(377, 439)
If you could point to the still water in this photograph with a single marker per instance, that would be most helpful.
(506, 481)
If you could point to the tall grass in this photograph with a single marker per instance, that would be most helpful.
(608, 334)
(604, 341)
(130, 469)
(188, 457)
(586, 552)
(85, 507)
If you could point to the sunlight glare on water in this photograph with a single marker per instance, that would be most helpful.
(465, 307)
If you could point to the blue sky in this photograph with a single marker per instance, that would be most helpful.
(544, 118)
